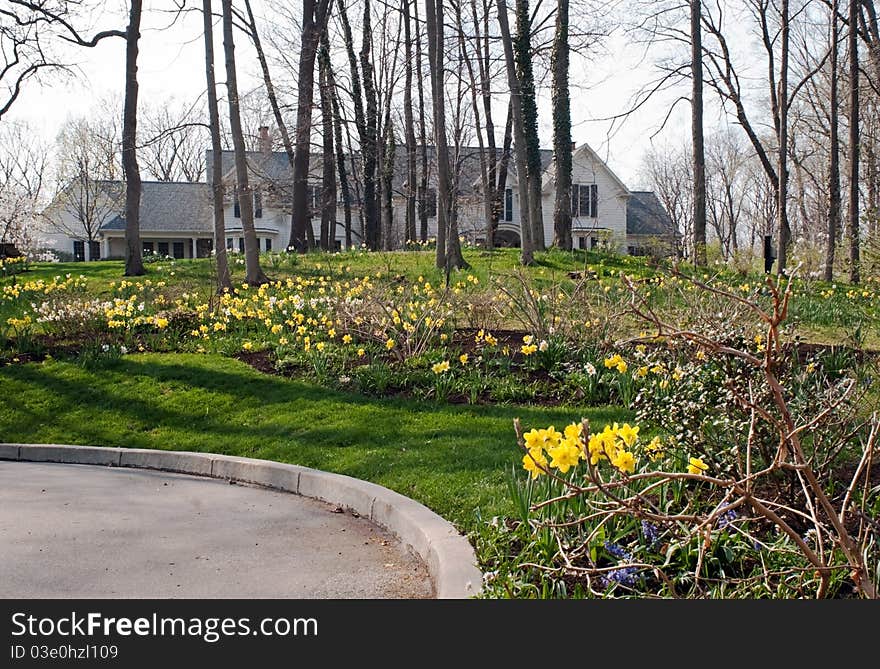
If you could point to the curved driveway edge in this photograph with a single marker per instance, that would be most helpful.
(448, 555)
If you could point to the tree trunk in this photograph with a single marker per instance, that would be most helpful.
(224, 282)
(253, 272)
(422, 190)
(134, 263)
(409, 129)
(328, 184)
(699, 150)
(523, 54)
(434, 28)
(854, 139)
(834, 199)
(783, 229)
(561, 130)
(528, 254)
(314, 20)
(369, 142)
(387, 184)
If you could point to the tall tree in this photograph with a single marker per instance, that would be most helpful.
(697, 139)
(561, 130)
(280, 123)
(218, 191)
(834, 199)
(484, 64)
(314, 22)
(370, 137)
(782, 104)
(422, 190)
(519, 138)
(854, 140)
(525, 73)
(449, 255)
(434, 27)
(367, 175)
(409, 127)
(328, 166)
(341, 170)
(134, 262)
(253, 272)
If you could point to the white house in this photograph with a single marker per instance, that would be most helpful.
(176, 218)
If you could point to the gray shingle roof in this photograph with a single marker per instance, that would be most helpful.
(168, 206)
(645, 215)
(275, 167)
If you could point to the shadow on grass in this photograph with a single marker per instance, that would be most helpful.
(214, 404)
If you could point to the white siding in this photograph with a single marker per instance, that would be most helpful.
(611, 210)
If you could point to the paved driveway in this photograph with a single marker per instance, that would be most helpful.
(83, 531)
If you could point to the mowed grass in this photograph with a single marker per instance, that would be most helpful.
(454, 459)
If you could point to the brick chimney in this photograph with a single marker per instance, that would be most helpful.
(265, 140)
(574, 145)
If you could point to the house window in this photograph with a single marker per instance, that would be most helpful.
(584, 200)
(163, 249)
(508, 204)
(236, 206)
(79, 251)
(229, 244)
(582, 243)
(268, 244)
(258, 203)
(148, 247)
(94, 250)
(428, 202)
(178, 250)
(241, 244)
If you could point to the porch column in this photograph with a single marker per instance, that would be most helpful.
(193, 247)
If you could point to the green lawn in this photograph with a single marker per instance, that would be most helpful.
(454, 458)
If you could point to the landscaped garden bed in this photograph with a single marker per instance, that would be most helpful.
(725, 416)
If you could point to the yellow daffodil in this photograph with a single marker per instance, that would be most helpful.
(697, 466)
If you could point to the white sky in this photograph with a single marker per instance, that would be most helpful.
(171, 65)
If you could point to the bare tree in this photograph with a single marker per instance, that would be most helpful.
(314, 21)
(834, 199)
(699, 154)
(328, 158)
(519, 137)
(218, 190)
(24, 172)
(172, 142)
(854, 139)
(89, 191)
(253, 272)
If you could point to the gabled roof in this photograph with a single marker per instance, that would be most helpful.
(169, 206)
(645, 215)
(583, 150)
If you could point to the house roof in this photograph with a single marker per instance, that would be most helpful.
(275, 167)
(169, 206)
(645, 215)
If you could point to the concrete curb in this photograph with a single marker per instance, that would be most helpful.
(448, 555)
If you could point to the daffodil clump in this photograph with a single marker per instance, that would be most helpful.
(615, 444)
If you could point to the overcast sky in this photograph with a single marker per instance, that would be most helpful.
(171, 65)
